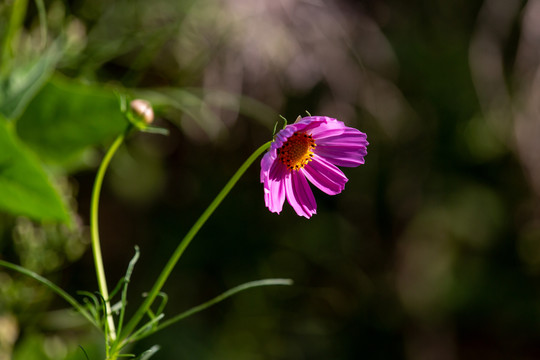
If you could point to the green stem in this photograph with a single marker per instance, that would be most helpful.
(42, 22)
(217, 299)
(145, 306)
(96, 247)
(18, 12)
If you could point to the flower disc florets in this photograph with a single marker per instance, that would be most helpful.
(297, 151)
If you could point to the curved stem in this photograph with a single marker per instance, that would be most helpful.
(217, 299)
(96, 247)
(145, 306)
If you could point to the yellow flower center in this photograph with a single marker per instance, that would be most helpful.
(297, 151)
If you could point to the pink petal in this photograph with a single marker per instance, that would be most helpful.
(299, 194)
(303, 125)
(344, 135)
(345, 149)
(266, 163)
(340, 157)
(325, 176)
(329, 128)
(274, 187)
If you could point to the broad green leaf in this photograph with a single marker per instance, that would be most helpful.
(25, 188)
(24, 81)
(66, 117)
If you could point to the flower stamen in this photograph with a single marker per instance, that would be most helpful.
(297, 151)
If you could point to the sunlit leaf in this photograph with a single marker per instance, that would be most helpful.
(24, 81)
(25, 188)
(66, 117)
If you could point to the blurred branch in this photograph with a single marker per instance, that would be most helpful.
(18, 11)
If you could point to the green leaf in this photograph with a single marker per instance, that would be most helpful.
(25, 188)
(66, 117)
(53, 287)
(24, 81)
(149, 353)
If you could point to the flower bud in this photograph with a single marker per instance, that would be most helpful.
(142, 110)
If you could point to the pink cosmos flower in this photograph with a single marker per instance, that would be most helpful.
(310, 148)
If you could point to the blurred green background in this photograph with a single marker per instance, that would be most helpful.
(431, 252)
